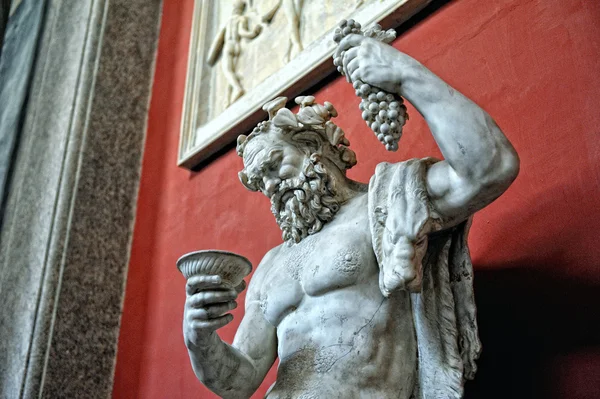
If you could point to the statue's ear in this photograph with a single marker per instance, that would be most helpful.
(381, 215)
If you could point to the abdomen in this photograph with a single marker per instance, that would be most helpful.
(354, 344)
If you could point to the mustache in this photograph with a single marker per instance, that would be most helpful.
(302, 205)
(311, 177)
(300, 189)
(288, 186)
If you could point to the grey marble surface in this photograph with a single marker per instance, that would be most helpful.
(17, 58)
(65, 241)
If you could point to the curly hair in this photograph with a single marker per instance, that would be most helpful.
(310, 130)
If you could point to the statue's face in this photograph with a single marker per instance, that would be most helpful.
(269, 161)
(301, 193)
(238, 8)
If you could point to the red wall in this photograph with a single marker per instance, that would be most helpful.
(534, 65)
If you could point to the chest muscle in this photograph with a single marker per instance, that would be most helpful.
(319, 264)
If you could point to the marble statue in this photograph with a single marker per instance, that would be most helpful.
(228, 42)
(371, 293)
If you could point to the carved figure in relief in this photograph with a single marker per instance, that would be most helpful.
(228, 42)
(370, 296)
(293, 11)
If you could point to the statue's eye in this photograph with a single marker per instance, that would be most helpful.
(273, 161)
(268, 166)
(254, 183)
(275, 154)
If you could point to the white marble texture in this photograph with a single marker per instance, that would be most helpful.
(371, 294)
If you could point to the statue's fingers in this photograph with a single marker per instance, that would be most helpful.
(197, 283)
(241, 287)
(204, 298)
(196, 314)
(220, 309)
(352, 67)
(348, 57)
(348, 42)
(212, 324)
(210, 312)
(356, 75)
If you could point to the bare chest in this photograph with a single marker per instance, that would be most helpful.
(337, 258)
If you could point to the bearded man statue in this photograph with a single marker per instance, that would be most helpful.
(301, 202)
(371, 293)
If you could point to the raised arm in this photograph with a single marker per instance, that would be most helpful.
(268, 16)
(216, 47)
(479, 161)
(230, 371)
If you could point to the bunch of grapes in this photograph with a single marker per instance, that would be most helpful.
(346, 28)
(385, 113)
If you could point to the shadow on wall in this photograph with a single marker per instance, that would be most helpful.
(537, 331)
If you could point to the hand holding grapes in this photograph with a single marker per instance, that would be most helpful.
(369, 64)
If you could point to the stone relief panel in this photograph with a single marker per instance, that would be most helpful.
(243, 52)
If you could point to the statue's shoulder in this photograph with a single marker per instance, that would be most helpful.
(269, 260)
(272, 256)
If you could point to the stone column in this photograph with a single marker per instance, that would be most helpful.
(69, 211)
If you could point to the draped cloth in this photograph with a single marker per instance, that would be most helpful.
(444, 310)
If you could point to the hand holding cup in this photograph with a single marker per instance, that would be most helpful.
(214, 280)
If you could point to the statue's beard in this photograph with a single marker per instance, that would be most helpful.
(302, 205)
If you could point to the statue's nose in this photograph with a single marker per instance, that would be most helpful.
(404, 249)
(271, 185)
(406, 253)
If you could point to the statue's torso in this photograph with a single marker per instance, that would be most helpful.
(337, 335)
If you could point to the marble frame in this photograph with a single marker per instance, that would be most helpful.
(199, 143)
(68, 217)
